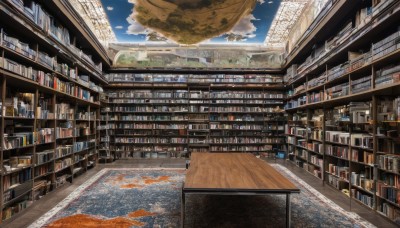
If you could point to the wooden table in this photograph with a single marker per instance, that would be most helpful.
(234, 174)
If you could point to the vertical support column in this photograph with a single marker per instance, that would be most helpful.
(375, 145)
(288, 210)
(3, 89)
(324, 165)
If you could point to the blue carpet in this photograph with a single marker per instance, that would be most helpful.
(151, 198)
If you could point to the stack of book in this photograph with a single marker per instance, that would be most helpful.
(387, 75)
(360, 85)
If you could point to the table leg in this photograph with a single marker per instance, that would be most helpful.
(288, 210)
(182, 209)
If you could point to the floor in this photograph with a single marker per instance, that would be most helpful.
(40, 207)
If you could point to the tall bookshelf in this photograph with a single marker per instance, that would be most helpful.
(342, 104)
(50, 81)
(104, 130)
(171, 115)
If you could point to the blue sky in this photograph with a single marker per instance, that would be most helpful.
(119, 10)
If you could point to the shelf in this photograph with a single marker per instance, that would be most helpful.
(43, 175)
(68, 166)
(362, 189)
(337, 177)
(15, 199)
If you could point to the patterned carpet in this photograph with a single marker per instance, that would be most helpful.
(151, 198)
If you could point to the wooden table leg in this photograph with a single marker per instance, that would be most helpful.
(288, 210)
(182, 209)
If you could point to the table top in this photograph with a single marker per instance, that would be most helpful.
(234, 172)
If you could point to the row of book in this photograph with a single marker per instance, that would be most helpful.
(63, 163)
(85, 115)
(14, 180)
(273, 102)
(363, 157)
(48, 80)
(192, 78)
(148, 94)
(232, 117)
(389, 162)
(80, 146)
(62, 151)
(43, 170)
(235, 126)
(296, 103)
(362, 140)
(51, 26)
(233, 148)
(387, 75)
(389, 193)
(44, 135)
(245, 140)
(243, 109)
(298, 131)
(320, 80)
(245, 95)
(16, 45)
(18, 162)
(44, 156)
(311, 168)
(339, 171)
(150, 140)
(315, 147)
(362, 17)
(386, 46)
(316, 160)
(338, 151)
(316, 134)
(17, 140)
(15, 208)
(21, 105)
(301, 153)
(363, 180)
(337, 91)
(389, 210)
(360, 85)
(364, 198)
(338, 137)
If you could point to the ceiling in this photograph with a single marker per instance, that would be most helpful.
(200, 34)
(192, 22)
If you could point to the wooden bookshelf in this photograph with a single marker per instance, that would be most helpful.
(216, 113)
(49, 102)
(350, 77)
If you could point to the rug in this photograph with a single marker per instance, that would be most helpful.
(151, 198)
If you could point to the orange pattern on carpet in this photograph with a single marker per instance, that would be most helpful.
(148, 180)
(140, 213)
(130, 186)
(81, 220)
(135, 183)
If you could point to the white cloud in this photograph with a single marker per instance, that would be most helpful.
(110, 8)
(132, 1)
(134, 27)
(261, 1)
(119, 27)
(245, 27)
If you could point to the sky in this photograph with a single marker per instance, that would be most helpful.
(253, 28)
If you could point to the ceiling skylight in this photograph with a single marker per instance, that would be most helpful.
(188, 22)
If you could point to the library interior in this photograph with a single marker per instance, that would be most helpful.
(200, 113)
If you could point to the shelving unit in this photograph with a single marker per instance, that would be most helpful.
(49, 103)
(173, 115)
(104, 128)
(343, 100)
